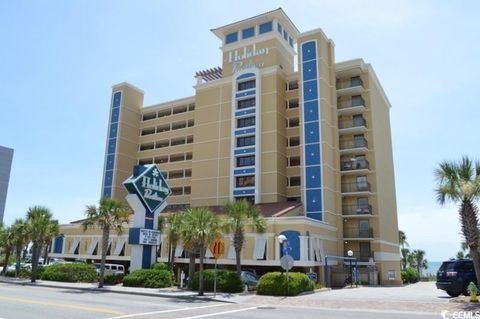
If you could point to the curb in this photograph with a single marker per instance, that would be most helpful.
(106, 290)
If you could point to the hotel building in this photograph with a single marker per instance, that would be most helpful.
(280, 124)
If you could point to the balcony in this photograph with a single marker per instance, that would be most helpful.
(353, 166)
(351, 106)
(353, 146)
(350, 87)
(356, 210)
(362, 256)
(355, 188)
(355, 232)
(352, 126)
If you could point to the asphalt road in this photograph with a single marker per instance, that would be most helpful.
(27, 302)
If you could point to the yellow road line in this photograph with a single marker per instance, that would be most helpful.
(60, 305)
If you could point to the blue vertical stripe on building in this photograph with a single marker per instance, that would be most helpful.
(312, 132)
(111, 144)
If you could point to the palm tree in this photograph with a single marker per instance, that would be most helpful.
(201, 227)
(238, 215)
(172, 223)
(418, 256)
(460, 183)
(52, 232)
(405, 252)
(7, 243)
(402, 239)
(110, 214)
(39, 219)
(21, 232)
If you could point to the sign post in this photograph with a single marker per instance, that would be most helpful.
(147, 196)
(217, 248)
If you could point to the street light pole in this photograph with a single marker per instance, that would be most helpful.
(350, 254)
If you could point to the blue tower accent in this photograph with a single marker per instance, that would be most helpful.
(312, 150)
(111, 144)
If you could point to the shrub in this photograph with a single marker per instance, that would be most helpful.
(275, 284)
(409, 275)
(113, 279)
(23, 273)
(149, 278)
(160, 266)
(227, 281)
(74, 272)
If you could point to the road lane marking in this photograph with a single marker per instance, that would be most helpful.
(60, 305)
(165, 311)
(218, 313)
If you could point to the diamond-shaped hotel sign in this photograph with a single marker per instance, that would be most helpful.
(149, 185)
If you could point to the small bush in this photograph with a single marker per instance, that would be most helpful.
(409, 275)
(227, 281)
(160, 266)
(113, 279)
(275, 284)
(75, 272)
(149, 278)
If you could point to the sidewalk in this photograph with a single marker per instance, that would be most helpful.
(172, 292)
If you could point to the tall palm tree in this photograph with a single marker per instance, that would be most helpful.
(402, 239)
(418, 256)
(238, 215)
(110, 215)
(52, 232)
(200, 226)
(405, 252)
(459, 182)
(7, 242)
(21, 232)
(172, 224)
(39, 219)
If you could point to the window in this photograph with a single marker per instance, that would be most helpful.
(248, 33)
(242, 104)
(246, 161)
(245, 141)
(187, 190)
(294, 181)
(231, 37)
(246, 85)
(357, 100)
(285, 35)
(293, 122)
(177, 191)
(362, 203)
(245, 181)
(294, 141)
(290, 41)
(149, 116)
(356, 81)
(279, 28)
(265, 27)
(293, 85)
(293, 104)
(247, 121)
(148, 131)
(294, 161)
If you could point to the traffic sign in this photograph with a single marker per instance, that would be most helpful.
(216, 247)
(286, 262)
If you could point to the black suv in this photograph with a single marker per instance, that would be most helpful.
(455, 275)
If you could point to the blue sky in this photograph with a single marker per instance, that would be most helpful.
(59, 59)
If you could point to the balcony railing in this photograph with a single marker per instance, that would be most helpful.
(355, 187)
(356, 210)
(351, 144)
(351, 103)
(362, 256)
(349, 84)
(355, 232)
(354, 164)
(352, 123)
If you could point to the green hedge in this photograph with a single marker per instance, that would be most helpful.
(409, 275)
(160, 266)
(275, 284)
(227, 281)
(149, 278)
(23, 273)
(74, 272)
(113, 279)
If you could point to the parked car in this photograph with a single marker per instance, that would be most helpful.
(113, 269)
(455, 275)
(249, 279)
